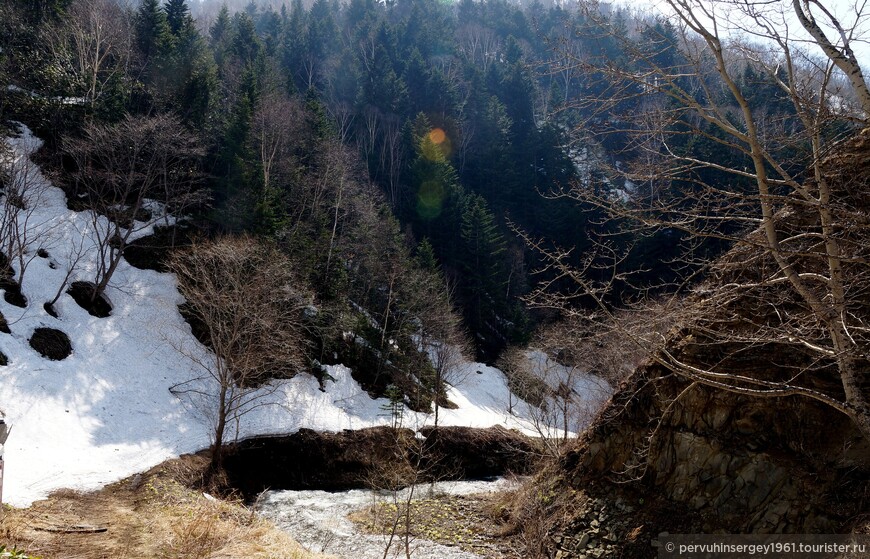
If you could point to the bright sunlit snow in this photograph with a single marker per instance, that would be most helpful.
(107, 411)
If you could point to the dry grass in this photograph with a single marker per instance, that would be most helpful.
(470, 522)
(527, 514)
(153, 515)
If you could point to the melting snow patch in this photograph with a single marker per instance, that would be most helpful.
(318, 519)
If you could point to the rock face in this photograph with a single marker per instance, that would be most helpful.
(719, 460)
(742, 464)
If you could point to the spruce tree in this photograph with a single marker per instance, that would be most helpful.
(292, 47)
(425, 256)
(153, 36)
(39, 11)
(220, 29)
(434, 203)
(246, 44)
(484, 275)
(178, 17)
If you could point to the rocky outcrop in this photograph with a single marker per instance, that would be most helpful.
(717, 460)
(743, 464)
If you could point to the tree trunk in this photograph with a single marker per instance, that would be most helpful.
(843, 57)
(217, 447)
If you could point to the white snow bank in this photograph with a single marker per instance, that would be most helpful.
(574, 399)
(62, 100)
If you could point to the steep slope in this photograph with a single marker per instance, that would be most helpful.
(108, 409)
(671, 455)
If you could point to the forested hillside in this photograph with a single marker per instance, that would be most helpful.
(559, 188)
(460, 119)
(454, 117)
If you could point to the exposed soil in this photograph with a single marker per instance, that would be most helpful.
(197, 327)
(163, 513)
(348, 460)
(77, 203)
(600, 521)
(49, 308)
(125, 217)
(151, 251)
(51, 343)
(83, 294)
(12, 292)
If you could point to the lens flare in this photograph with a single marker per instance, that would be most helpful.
(435, 145)
(438, 136)
(430, 199)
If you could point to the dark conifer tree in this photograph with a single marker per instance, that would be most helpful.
(153, 36)
(484, 275)
(291, 47)
(434, 201)
(246, 45)
(178, 17)
(38, 11)
(425, 256)
(321, 40)
(220, 29)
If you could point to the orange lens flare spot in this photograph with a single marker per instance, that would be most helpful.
(437, 136)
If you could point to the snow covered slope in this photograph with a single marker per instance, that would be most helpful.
(106, 411)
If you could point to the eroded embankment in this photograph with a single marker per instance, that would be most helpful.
(363, 458)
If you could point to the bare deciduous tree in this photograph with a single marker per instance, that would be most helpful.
(75, 252)
(558, 399)
(573, 366)
(276, 129)
(392, 159)
(132, 175)
(244, 303)
(399, 479)
(338, 171)
(814, 16)
(381, 144)
(96, 37)
(403, 476)
(478, 45)
(442, 336)
(806, 251)
(21, 228)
